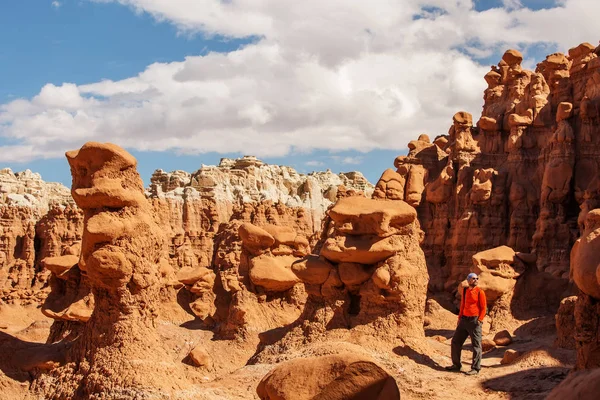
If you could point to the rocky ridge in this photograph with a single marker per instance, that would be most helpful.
(39, 219)
(250, 180)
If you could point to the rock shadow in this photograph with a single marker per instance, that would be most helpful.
(21, 360)
(447, 333)
(539, 294)
(417, 357)
(531, 384)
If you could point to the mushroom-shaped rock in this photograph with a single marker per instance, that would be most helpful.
(190, 276)
(287, 241)
(362, 216)
(333, 377)
(488, 124)
(273, 273)
(62, 309)
(104, 175)
(463, 118)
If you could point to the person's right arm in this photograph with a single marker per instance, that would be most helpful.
(462, 304)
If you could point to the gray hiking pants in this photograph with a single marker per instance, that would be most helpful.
(467, 326)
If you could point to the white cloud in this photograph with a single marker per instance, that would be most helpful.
(512, 4)
(352, 160)
(314, 163)
(335, 75)
(56, 4)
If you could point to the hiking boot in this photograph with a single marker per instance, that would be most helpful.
(453, 368)
(472, 372)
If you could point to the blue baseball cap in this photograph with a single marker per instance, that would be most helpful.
(471, 276)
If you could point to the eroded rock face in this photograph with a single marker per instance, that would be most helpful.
(530, 159)
(334, 377)
(255, 286)
(26, 201)
(121, 251)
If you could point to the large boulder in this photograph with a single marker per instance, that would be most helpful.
(498, 270)
(334, 377)
(361, 216)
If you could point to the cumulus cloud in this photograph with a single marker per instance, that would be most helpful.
(56, 4)
(336, 75)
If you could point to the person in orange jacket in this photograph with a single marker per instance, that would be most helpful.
(470, 319)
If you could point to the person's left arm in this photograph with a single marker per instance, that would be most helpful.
(482, 305)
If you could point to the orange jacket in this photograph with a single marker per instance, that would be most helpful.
(473, 303)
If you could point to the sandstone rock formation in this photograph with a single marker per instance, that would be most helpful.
(25, 238)
(334, 377)
(514, 178)
(585, 271)
(121, 255)
(27, 189)
(40, 220)
(369, 268)
(565, 323)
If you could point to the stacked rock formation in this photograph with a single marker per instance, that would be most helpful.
(369, 275)
(378, 265)
(122, 262)
(514, 178)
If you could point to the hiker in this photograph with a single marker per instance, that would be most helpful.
(470, 320)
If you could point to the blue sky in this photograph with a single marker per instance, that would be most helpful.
(269, 93)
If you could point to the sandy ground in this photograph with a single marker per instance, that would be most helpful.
(418, 368)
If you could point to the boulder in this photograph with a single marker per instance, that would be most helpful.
(333, 377)
(312, 269)
(361, 216)
(510, 356)
(367, 249)
(273, 273)
(503, 338)
(487, 344)
(200, 357)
